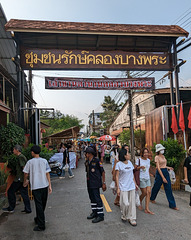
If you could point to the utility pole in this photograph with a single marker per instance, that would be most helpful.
(93, 116)
(132, 140)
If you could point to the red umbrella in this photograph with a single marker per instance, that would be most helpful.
(107, 138)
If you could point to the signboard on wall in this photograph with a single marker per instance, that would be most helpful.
(99, 83)
(52, 59)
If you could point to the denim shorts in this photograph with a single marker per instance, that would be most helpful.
(145, 183)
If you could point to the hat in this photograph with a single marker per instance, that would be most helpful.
(189, 149)
(90, 150)
(159, 147)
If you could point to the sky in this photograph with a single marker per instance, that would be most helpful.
(80, 103)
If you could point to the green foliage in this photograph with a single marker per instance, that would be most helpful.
(111, 109)
(11, 160)
(10, 136)
(60, 122)
(125, 137)
(174, 152)
(3, 175)
(45, 153)
(95, 134)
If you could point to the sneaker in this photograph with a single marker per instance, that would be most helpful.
(7, 210)
(61, 177)
(71, 176)
(98, 219)
(24, 211)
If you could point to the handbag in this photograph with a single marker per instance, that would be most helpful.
(172, 176)
(66, 167)
(137, 174)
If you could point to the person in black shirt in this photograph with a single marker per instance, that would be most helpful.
(187, 170)
(95, 180)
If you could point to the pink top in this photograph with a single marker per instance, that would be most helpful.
(161, 160)
(103, 150)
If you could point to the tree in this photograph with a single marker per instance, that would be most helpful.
(10, 135)
(125, 136)
(111, 109)
(59, 122)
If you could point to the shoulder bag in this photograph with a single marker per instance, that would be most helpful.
(137, 174)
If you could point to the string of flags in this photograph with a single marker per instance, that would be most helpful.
(181, 123)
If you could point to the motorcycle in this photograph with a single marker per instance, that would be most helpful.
(56, 167)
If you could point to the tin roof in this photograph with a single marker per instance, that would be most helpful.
(94, 28)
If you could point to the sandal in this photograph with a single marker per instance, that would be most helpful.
(175, 208)
(117, 204)
(133, 223)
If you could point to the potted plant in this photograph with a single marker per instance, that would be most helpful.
(4, 173)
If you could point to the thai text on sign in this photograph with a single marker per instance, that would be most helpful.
(99, 83)
(91, 60)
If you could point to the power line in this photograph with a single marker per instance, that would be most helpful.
(182, 16)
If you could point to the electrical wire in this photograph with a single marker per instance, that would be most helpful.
(182, 16)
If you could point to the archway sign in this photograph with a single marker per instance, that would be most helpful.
(48, 45)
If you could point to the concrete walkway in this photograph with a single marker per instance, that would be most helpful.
(68, 207)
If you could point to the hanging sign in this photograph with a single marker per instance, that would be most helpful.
(93, 60)
(99, 83)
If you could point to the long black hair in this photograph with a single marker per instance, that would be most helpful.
(122, 154)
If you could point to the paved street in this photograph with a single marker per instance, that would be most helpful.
(68, 207)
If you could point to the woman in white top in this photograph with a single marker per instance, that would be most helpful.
(114, 155)
(143, 163)
(126, 185)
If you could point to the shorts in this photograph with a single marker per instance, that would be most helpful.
(145, 183)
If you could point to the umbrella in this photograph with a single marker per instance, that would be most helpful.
(107, 138)
(92, 137)
(87, 139)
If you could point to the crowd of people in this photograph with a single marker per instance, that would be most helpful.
(36, 171)
(126, 186)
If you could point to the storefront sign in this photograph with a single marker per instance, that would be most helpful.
(93, 60)
(99, 83)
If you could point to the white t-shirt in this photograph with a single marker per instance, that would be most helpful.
(37, 169)
(144, 173)
(126, 182)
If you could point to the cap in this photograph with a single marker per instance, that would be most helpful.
(159, 147)
(90, 150)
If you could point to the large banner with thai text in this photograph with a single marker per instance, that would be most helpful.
(93, 60)
(99, 83)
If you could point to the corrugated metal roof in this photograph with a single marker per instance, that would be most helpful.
(7, 47)
(94, 28)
